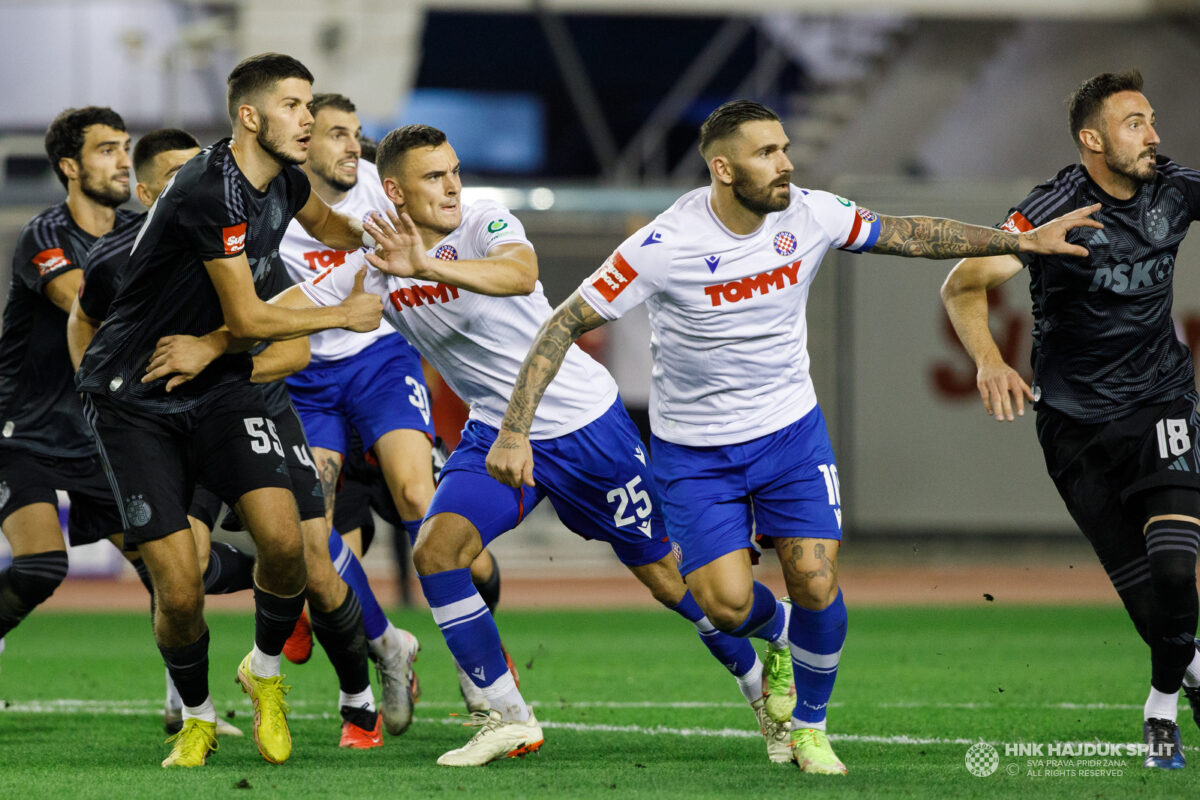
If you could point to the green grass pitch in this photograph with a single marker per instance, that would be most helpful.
(632, 705)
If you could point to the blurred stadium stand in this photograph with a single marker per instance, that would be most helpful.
(948, 107)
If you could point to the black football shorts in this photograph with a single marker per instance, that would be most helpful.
(229, 444)
(27, 478)
(1102, 470)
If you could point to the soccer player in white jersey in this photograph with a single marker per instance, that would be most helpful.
(464, 291)
(739, 440)
(374, 383)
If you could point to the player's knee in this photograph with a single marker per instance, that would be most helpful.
(726, 618)
(412, 500)
(33, 578)
(180, 608)
(815, 593)
(439, 553)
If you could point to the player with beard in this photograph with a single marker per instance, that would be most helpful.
(373, 383)
(738, 439)
(44, 443)
(208, 243)
(1114, 388)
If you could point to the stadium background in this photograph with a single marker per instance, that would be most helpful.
(581, 115)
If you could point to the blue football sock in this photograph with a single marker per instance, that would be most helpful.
(736, 655)
(816, 639)
(466, 623)
(766, 618)
(413, 526)
(350, 569)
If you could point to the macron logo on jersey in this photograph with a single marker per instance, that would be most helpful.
(762, 283)
(410, 297)
(1016, 223)
(654, 238)
(613, 277)
(318, 260)
(49, 260)
(234, 238)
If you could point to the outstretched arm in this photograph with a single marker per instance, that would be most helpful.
(508, 269)
(329, 227)
(964, 294)
(935, 237)
(510, 460)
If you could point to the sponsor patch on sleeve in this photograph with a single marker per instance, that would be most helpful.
(234, 238)
(612, 278)
(1016, 223)
(49, 260)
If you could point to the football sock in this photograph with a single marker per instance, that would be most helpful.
(340, 632)
(1132, 582)
(274, 620)
(413, 527)
(173, 698)
(736, 655)
(364, 700)
(27, 582)
(228, 570)
(470, 631)
(375, 623)
(188, 666)
(205, 711)
(1171, 546)
(1161, 705)
(1192, 676)
(489, 590)
(766, 620)
(816, 639)
(504, 697)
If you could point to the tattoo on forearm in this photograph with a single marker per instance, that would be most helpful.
(569, 321)
(934, 237)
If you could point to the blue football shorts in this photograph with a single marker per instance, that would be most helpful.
(378, 390)
(597, 478)
(783, 484)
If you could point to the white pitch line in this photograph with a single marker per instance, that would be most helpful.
(153, 708)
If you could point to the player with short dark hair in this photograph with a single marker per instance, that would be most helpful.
(1114, 388)
(209, 241)
(44, 443)
(738, 439)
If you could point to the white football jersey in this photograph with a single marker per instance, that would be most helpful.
(476, 342)
(306, 257)
(729, 340)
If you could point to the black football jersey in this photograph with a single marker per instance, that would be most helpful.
(1104, 341)
(208, 211)
(39, 408)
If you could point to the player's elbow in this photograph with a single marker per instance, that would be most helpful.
(244, 326)
(956, 284)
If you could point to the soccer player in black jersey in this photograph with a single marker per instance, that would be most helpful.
(210, 238)
(1113, 387)
(44, 443)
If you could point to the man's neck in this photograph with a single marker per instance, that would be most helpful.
(95, 218)
(259, 166)
(1122, 187)
(430, 237)
(733, 215)
(325, 189)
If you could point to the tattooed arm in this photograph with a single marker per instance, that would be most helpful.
(934, 237)
(510, 460)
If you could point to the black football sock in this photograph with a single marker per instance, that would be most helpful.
(228, 570)
(489, 590)
(1171, 545)
(28, 582)
(188, 666)
(274, 619)
(340, 632)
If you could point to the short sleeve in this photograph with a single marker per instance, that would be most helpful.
(850, 227)
(213, 220)
(40, 256)
(498, 226)
(98, 289)
(298, 188)
(333, 285)
(631, 275)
